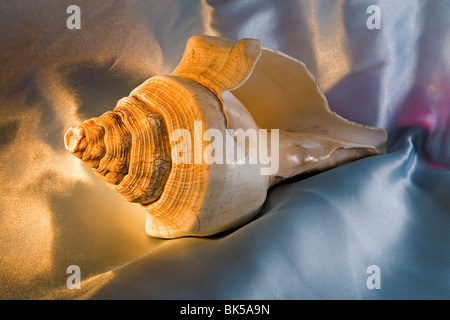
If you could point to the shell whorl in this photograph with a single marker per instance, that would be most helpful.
(133, 144)
(127, 147)
(194, 191)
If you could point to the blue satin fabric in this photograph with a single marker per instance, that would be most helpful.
(314, 238)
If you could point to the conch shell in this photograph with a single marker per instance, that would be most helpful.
(228, 89)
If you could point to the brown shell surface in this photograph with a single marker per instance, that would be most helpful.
(127, 147)
(218, 64)
(198, 199)
(149, 159)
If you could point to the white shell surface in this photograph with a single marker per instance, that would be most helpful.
(281, 93)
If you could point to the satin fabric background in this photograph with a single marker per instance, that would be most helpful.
(314, 238)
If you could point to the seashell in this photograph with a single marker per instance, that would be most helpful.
(153, 149)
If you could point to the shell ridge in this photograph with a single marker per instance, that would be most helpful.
(175, 203)
(227, 65)
(137, 185)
